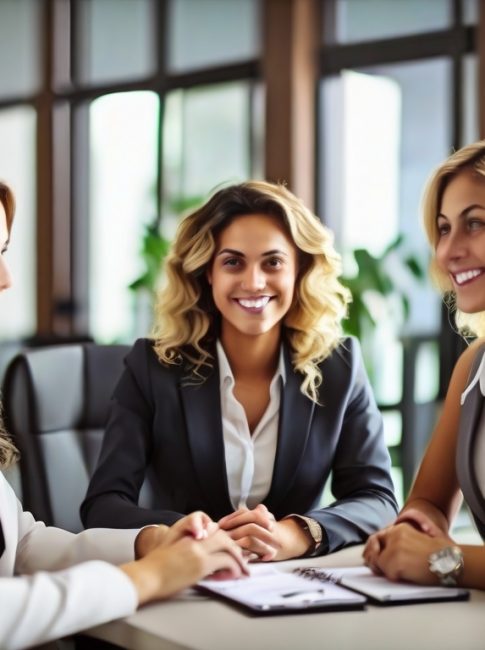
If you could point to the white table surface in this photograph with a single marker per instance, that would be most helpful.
(200, 623)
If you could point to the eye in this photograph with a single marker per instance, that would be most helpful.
(443, 228)
(231, 262)
(475, 224)
(274, 262)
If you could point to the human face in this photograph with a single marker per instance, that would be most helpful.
(460, 251)
(5, 279)
(253, 275)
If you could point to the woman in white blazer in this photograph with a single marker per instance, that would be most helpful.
(54, 583)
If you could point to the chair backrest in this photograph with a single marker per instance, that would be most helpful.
(56, 402)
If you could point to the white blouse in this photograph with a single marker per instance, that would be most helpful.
(52, 600)
(249, 458)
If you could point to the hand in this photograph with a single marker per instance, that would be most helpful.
(260, 535)
(197, 525)
(404, 553)
(411, 516)
(171, 567)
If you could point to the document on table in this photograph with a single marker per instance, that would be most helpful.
(271, 591)
(380, 590)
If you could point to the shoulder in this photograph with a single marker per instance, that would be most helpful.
(468, 362)
(347, 356)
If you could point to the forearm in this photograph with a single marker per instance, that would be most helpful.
(350, 521)
(113, 511)
(473, 575)
(428, 508)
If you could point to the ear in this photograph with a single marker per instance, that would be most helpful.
(208, 275)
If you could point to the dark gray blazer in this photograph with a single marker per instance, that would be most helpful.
(469, 430)
(172, 432)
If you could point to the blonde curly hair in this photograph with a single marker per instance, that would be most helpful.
(186, 320)
(8, 452)
(471, 157)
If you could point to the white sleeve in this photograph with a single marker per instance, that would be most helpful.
(50, 549)
(46, 606)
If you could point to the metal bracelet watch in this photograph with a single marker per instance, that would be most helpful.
(447, 564)
(312, 527)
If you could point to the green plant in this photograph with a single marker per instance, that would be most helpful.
(383, 276)
(153, 251)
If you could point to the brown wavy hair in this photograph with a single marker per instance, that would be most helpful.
(471, 157)
(8, 451)
(186, 320)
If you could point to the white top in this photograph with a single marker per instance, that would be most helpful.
(37, 608)
(249, 458)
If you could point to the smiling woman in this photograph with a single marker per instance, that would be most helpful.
(248, 396)
(419, 547)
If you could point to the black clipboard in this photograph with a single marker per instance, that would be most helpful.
(270, 592)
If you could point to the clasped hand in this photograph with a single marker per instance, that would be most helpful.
(401, 551)
(262, 537)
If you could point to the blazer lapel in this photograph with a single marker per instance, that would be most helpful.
(296, 414)
(2, 540)
(202, 407)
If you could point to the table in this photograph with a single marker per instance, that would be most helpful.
(198, 623)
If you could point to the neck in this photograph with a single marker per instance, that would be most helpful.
(253, 356)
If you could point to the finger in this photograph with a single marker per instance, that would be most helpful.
(258, 516)
(253, 530)
(231, 516)
(222, 566)
(257, 549)
(221, 542)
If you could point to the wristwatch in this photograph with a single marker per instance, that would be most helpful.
(313, 528)
(447, 564)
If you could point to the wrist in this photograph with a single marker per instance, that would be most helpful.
(144, 579)
(148, 538)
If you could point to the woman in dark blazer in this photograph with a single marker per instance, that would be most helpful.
(419, 546)
(248, 398)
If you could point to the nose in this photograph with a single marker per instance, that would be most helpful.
(254, 279)
(451, 248)
(5, 277)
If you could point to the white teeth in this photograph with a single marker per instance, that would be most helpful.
(464, 276)
(257, 303)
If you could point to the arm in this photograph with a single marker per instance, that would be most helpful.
(437, 494)
(361, 481)
(113, 492)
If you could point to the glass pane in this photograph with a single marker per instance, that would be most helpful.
(212, 32)
(374, 167)
(123, 163)
(17, 168)
(470, 131)
(116, 40)
(206, 137)
(364, 20)
(470, 12)
(426, 384)
(20, 36)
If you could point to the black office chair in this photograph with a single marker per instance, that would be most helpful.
(56, 402)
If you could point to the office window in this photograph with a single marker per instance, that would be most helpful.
(116, 40)
(122, 169)
(365, 20)
(17, 168)
(206, 33)
(206, 137)
(376, 121)
(20, 36)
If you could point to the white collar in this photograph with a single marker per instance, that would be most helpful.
(479, 377)
(225, 372)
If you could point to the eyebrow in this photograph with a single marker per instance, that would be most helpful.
(232, 251)
(465, 212)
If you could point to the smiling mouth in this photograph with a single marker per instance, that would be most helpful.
(464, 277)
(253, 303)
